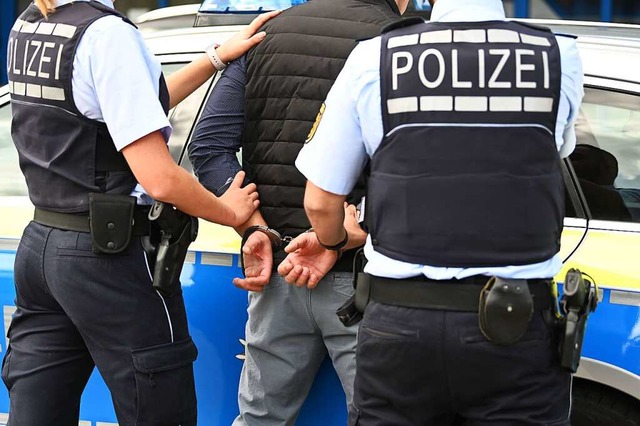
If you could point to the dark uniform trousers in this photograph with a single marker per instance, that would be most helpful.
(419, 367)
(77, 309)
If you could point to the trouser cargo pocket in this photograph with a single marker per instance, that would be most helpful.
(164, 384)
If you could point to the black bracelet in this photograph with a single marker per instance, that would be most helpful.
(336, 247)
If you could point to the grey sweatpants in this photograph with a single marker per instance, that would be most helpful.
(289, 332)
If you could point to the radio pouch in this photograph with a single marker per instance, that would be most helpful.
(505, 310)
(111, 222)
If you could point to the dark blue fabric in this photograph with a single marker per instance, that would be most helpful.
(431, 367)
(218, 134)
(76, 309)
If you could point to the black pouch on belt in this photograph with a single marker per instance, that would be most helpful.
(350, 313)
(111, 222)
(505, 310)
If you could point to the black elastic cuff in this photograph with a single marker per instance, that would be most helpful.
(339, 246)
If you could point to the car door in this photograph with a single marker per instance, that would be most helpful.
(606, 169)
(15, 208)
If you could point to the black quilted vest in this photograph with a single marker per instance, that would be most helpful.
(288, 77)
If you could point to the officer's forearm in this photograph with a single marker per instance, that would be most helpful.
(326, 214)
(164, 180)
(255, 219)
(187, 79)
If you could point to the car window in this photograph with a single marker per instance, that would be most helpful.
(183, 116)
(607, 156)
(11, 179)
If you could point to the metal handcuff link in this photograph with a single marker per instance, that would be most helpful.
(278, 242)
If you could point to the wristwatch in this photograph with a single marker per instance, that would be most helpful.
(212, 54)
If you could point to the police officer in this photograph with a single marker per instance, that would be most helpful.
(89, 107)
(463, 119)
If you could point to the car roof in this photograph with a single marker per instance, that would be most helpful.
(607, 50)
(167, 18)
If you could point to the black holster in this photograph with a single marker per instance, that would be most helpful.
(172, 231)
(351, 311)
(578, 300)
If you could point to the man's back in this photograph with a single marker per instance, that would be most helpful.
(288, 78)
(290, 329)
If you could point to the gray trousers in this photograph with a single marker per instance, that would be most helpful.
(288, 334)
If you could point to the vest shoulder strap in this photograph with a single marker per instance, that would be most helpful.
(402, 23)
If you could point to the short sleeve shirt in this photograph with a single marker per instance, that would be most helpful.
(350, 130)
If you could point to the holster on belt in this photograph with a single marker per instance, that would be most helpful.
(350, 313)
(504, 306)
(111, 222)
(579, 299)
(172, 231)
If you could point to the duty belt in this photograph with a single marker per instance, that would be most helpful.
(450, 295)
(80, 222)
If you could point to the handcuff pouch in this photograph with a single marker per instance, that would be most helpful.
(505, 310)
(110, 222)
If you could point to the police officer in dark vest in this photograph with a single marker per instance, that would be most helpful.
(89, 106)
(464, 120)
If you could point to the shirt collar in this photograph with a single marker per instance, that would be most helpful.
(108, 3)
(467, 11)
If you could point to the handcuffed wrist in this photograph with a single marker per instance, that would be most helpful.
(273, 235)
(212, 54)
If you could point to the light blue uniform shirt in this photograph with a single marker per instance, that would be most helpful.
(116, 81)
(350, 131)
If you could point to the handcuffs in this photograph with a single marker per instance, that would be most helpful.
(278, 241)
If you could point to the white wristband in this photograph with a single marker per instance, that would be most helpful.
(212, 54)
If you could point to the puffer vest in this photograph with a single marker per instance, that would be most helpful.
(289, 75)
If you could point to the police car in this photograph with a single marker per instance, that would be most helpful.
(601, 236)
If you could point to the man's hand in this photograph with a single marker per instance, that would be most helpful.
(257, 255)
(240, 43)
(242, 202)
(308, 262)
(357, 236)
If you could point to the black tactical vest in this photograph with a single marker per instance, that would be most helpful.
(63, 155)
(468, 173)
(288, 77)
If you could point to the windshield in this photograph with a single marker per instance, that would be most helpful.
(255, 6)
(246, 6)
